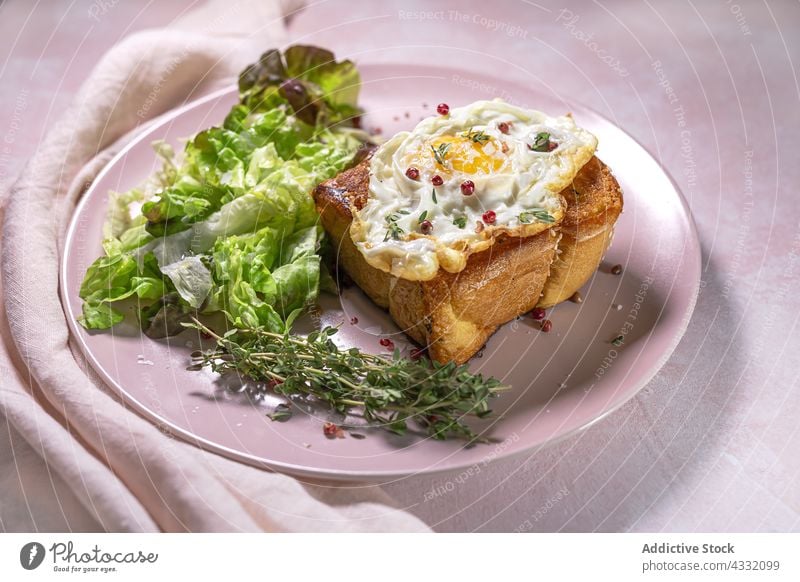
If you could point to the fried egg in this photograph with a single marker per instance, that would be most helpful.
(456, 182)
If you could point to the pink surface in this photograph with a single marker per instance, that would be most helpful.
(710, 443)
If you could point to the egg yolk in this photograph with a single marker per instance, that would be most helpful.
(451, 153)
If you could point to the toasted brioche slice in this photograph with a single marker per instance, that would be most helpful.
(594, 202)
(455, 313)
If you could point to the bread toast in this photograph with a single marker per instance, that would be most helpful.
(594, 202)
(454, 314)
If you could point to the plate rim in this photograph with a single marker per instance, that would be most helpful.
(141, 133)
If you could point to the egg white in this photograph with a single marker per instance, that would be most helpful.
(510, 179)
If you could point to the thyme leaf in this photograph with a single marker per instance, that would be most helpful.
(476, 136)
(280, 414)
(440, 153)
(536, 214)
(393, 230)
(542, 143)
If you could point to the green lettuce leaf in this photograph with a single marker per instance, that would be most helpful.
(266, 269)
(229, 224)
(115, 278)
(191, 278)
(99, 316)
(297, 284)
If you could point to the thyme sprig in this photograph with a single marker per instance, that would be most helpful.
(476, 136)
(536, 214)
(393, 230)
(386, 391)
(440, 153)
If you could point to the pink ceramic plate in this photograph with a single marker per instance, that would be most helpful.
(562, 381)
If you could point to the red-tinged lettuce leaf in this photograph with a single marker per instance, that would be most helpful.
(320, 90)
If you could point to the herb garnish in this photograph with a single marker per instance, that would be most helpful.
(423, 216)
(542, 143)
(476, 136)
(393, 230)
(433, 196)
(387, 392)
(538, 214)
(460, 221)
(440, 153)
(280, 414)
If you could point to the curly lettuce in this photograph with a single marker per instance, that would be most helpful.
(230, 224)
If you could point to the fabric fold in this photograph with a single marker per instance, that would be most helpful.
(126, 473)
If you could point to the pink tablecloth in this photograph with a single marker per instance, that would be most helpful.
(712, 91)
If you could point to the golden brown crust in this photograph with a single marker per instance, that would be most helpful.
(333, 202)
(594, 202)
(496, 286)
(574, 263)
(455, 313)
(349, 189)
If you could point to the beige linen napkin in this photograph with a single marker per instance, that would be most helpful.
(124, 471)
